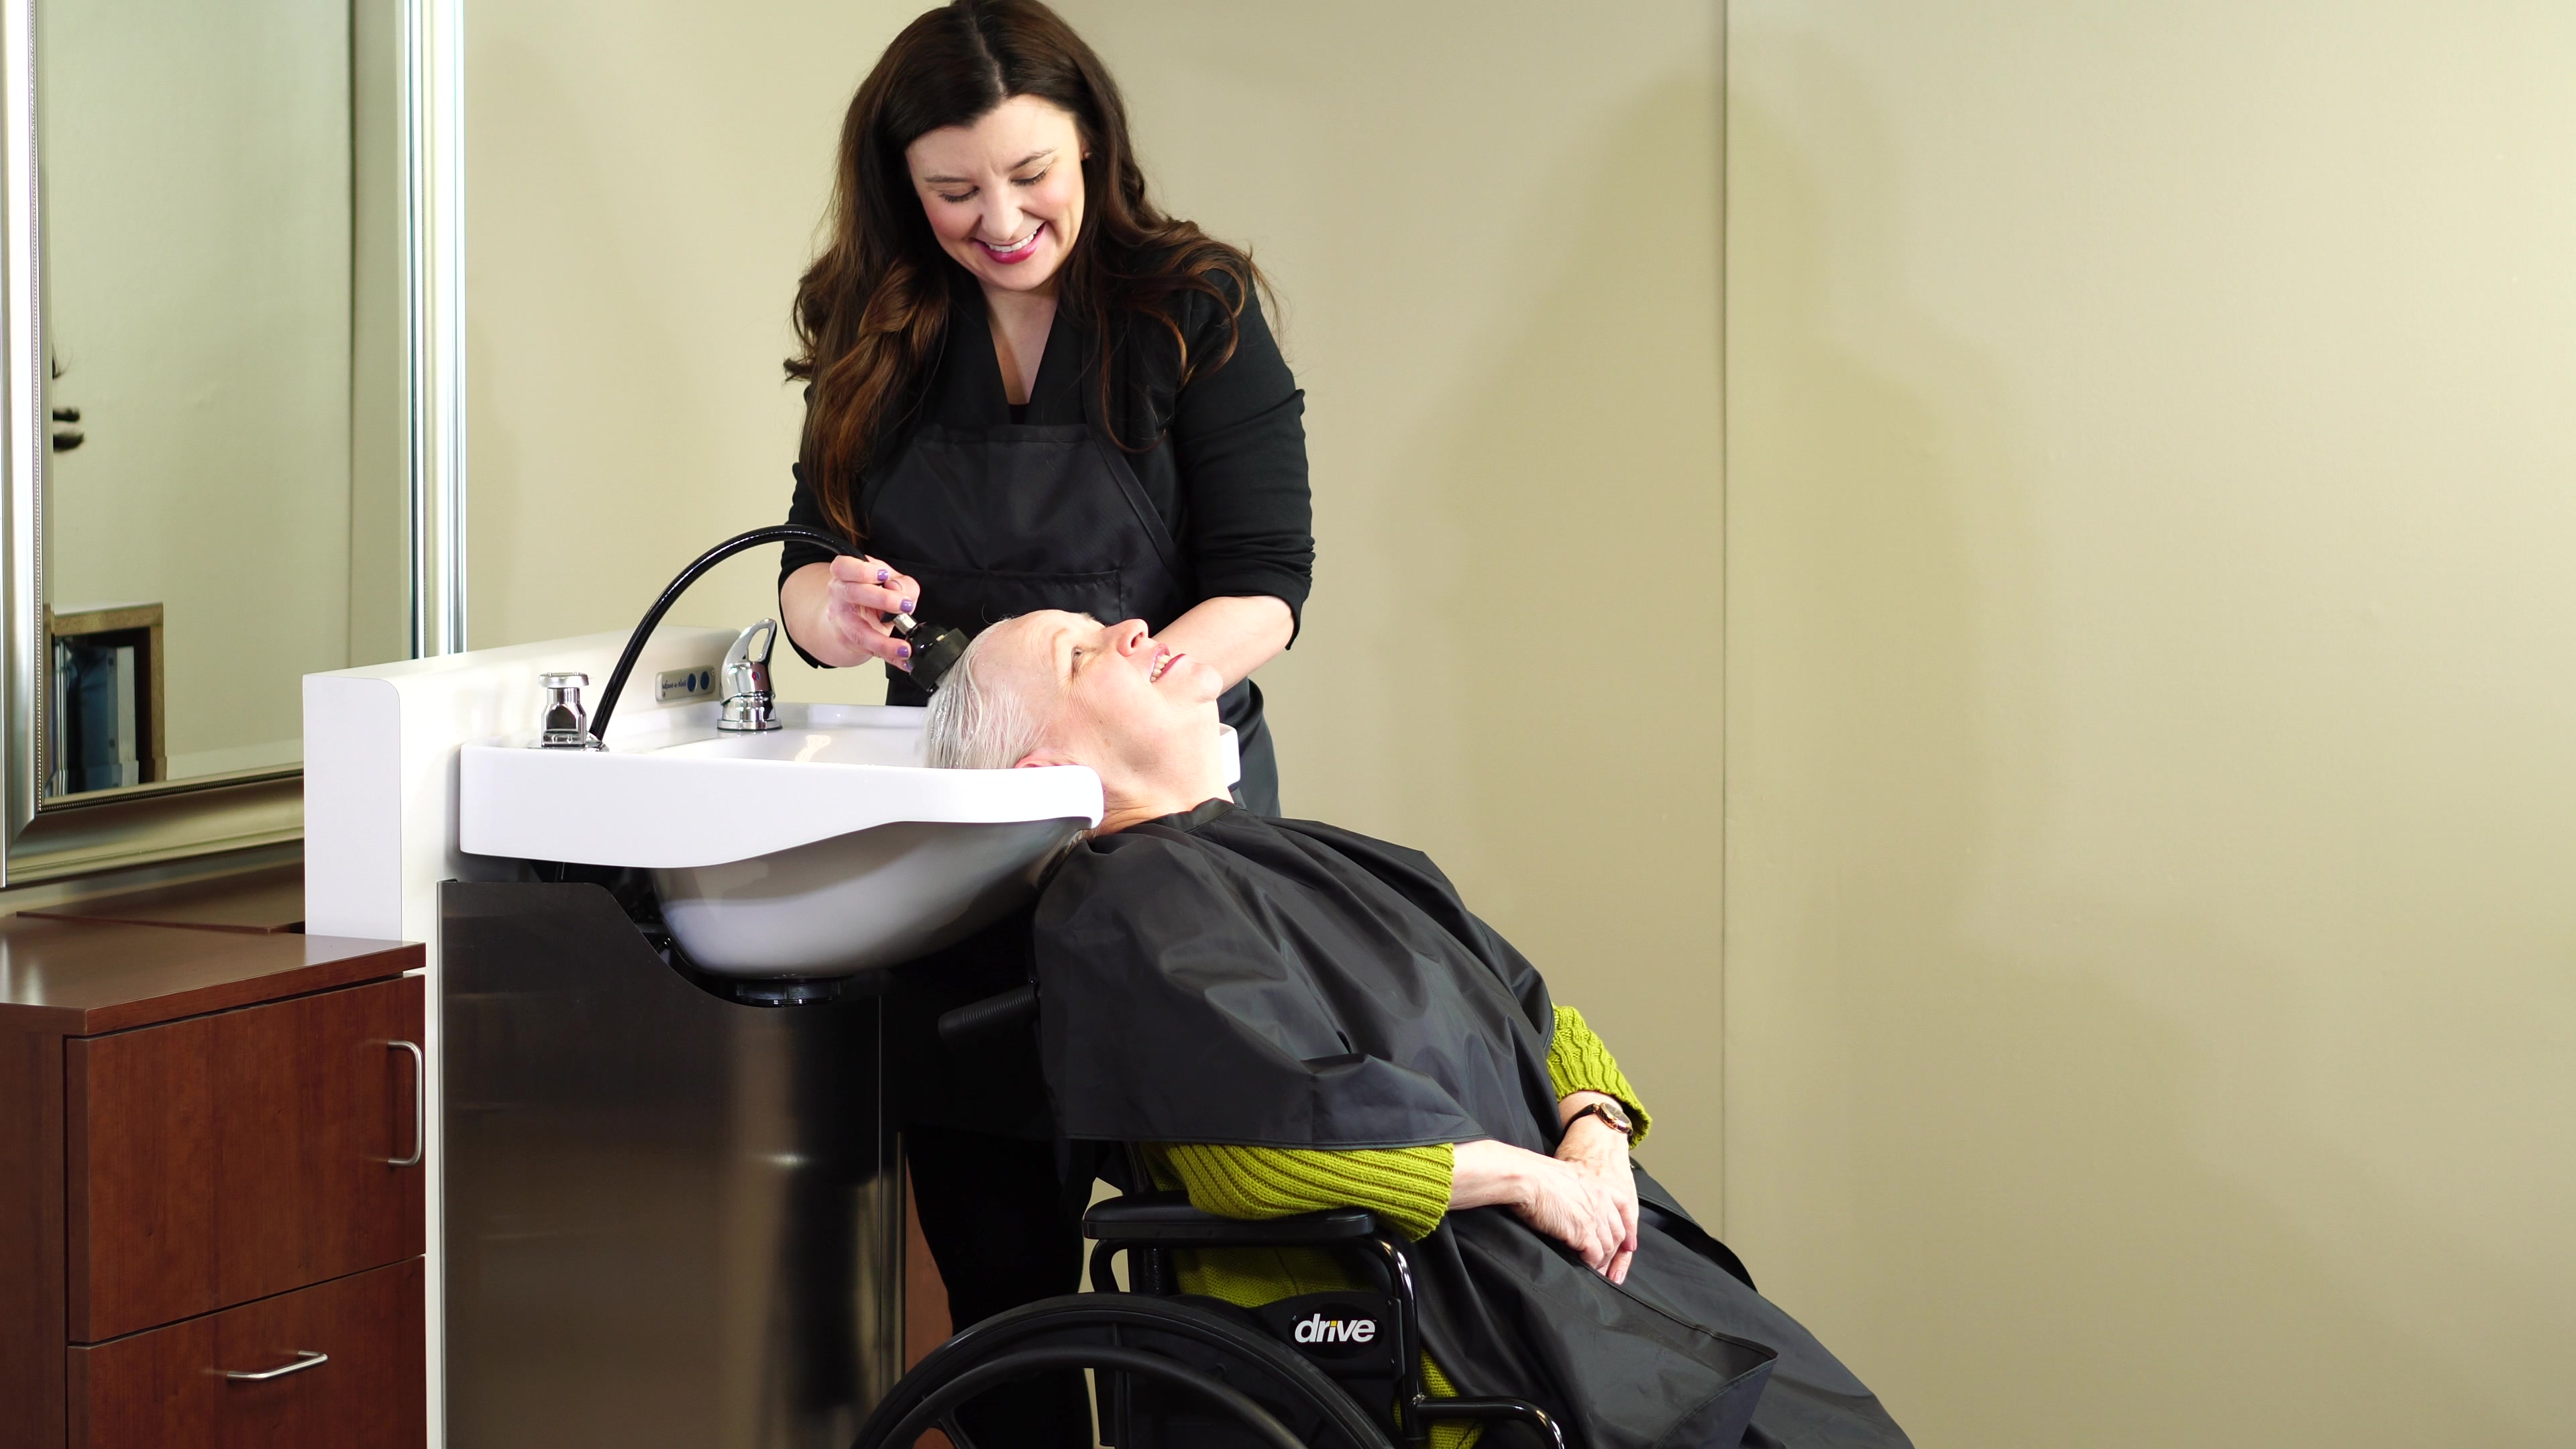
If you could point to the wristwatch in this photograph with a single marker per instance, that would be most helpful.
(1610, 1112)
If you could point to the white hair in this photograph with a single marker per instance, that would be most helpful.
(975, 722)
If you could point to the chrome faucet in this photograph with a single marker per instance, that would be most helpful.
(749, 704)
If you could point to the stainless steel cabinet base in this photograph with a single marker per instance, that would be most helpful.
(672, 1219)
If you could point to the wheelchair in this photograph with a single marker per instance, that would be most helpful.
(1332, 1370)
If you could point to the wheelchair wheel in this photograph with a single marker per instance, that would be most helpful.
(1237, 1376)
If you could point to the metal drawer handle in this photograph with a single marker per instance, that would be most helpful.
(304, 1359)
(419, 1103)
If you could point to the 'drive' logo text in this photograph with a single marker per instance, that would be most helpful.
(1320, 1329)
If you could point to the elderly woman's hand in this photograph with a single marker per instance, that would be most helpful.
(1572, 1204)
(1599, 1152)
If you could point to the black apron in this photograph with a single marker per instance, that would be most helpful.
(1000, 521)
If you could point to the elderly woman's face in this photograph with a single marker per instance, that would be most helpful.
(1111, 695)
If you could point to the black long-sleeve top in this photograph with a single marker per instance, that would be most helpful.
(1226, 468)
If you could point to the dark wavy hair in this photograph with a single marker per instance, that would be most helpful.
(872, 310)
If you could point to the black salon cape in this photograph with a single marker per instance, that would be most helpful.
(1220, 977)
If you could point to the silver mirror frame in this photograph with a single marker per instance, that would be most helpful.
(203, 817)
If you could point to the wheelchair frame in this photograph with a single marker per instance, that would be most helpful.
(1096, 1330)
(1150, 1226)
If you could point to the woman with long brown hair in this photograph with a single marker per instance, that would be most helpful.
(1028, 388)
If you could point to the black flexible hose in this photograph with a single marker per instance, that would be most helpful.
(961, 1026)
(776, 533)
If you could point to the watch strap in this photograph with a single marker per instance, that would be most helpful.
(1611, 1116)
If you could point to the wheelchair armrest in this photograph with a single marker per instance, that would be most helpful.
(1166, 1219)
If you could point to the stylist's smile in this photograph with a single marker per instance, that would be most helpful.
(1018, 251)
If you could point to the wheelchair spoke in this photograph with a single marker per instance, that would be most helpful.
(1232, 1368)
(941, 1403)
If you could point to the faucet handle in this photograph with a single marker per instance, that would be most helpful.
(744, 651)
(746, 665)
(749, 704)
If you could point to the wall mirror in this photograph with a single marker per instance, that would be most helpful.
(230, 260)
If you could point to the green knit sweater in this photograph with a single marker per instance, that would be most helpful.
(1406, 1186)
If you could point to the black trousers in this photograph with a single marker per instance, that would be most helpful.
(1004, 1231)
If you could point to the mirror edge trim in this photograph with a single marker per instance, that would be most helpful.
(151, 829)
(205, 819)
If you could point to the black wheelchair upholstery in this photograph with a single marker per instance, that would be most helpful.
(1176, 1371)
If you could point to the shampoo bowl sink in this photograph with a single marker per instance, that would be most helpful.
(820, 849)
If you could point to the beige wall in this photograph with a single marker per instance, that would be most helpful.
(2152, 728)
(1505, 315)
(642, 186)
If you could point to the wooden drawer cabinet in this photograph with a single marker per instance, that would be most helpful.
(228, 1157)
(350, 1351)
(209, 1147)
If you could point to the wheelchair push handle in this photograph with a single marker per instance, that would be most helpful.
(988, 1017)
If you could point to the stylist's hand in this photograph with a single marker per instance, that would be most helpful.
(1599, 1152)
(861, 593)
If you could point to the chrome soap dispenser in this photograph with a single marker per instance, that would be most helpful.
(567, 725)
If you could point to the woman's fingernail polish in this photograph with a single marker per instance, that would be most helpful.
(904, 649)
(884, 574)
(905, 607)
